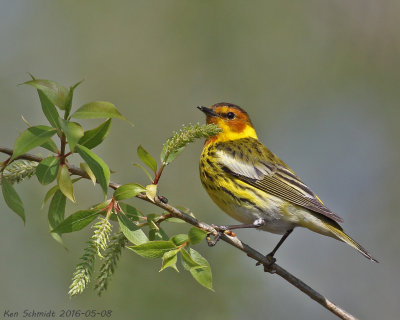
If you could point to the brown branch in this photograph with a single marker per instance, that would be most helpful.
(234, 241)
(25, 156)
(159, 173)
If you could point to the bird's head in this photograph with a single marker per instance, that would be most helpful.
(233, 120)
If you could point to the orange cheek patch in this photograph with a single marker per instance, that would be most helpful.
(237, 125)
(212, 120)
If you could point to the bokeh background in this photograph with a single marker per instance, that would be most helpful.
(321, 82)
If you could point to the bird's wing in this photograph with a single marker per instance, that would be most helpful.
(257, 169)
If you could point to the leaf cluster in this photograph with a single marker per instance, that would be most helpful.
(56, 103)
(141, 233)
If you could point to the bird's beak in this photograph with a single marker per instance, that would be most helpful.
(208, 111)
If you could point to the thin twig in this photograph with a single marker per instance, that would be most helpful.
(234, 241)
(25, 156)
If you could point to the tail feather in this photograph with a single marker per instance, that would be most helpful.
(345, 238)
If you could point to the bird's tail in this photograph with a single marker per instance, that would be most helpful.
(339, 234)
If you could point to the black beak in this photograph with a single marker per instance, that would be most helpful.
(208, 111)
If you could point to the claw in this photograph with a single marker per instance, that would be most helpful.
(212, 243)
(221, 230)
(268, 266)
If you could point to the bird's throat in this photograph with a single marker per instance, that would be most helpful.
(228, 134)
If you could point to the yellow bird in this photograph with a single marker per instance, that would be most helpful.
(252, 185)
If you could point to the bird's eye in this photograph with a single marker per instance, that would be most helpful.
(230, 115)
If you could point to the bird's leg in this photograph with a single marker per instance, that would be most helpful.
(227, 230)
(272, 253)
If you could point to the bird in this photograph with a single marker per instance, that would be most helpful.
(255, 187)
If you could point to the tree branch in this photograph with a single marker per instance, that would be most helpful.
(234, 241)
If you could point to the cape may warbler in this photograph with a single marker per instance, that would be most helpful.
(255, 187)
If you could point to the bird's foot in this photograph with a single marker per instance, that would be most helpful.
(268, 267)
(221, 230)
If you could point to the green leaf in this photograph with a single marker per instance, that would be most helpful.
(96, 110)
(153, 249)
(26, 121)
(144, 170)
(130, 212)
(180, 239)
(31, 138)
(153, 225)
(97, 165)
(169, 260)
(196, 235)
(187, 260)
(131, 231)
(152, 235)
(47, 170)
(101, 205)
(57, 209)
(127, 191)
(201, 274)
(50, 145)
(53, 190)
(49, 194)
(68, 101)
(158, 234)
(49, 110)
(147, 158)
(92, 138)
(151, 191)
(58, 239)
(76, 221)
(153, 217)
(55, 92)
(12, 198)
(84, 166)
(65, 183)
(73, 131)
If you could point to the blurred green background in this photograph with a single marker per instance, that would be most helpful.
(321, 82)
